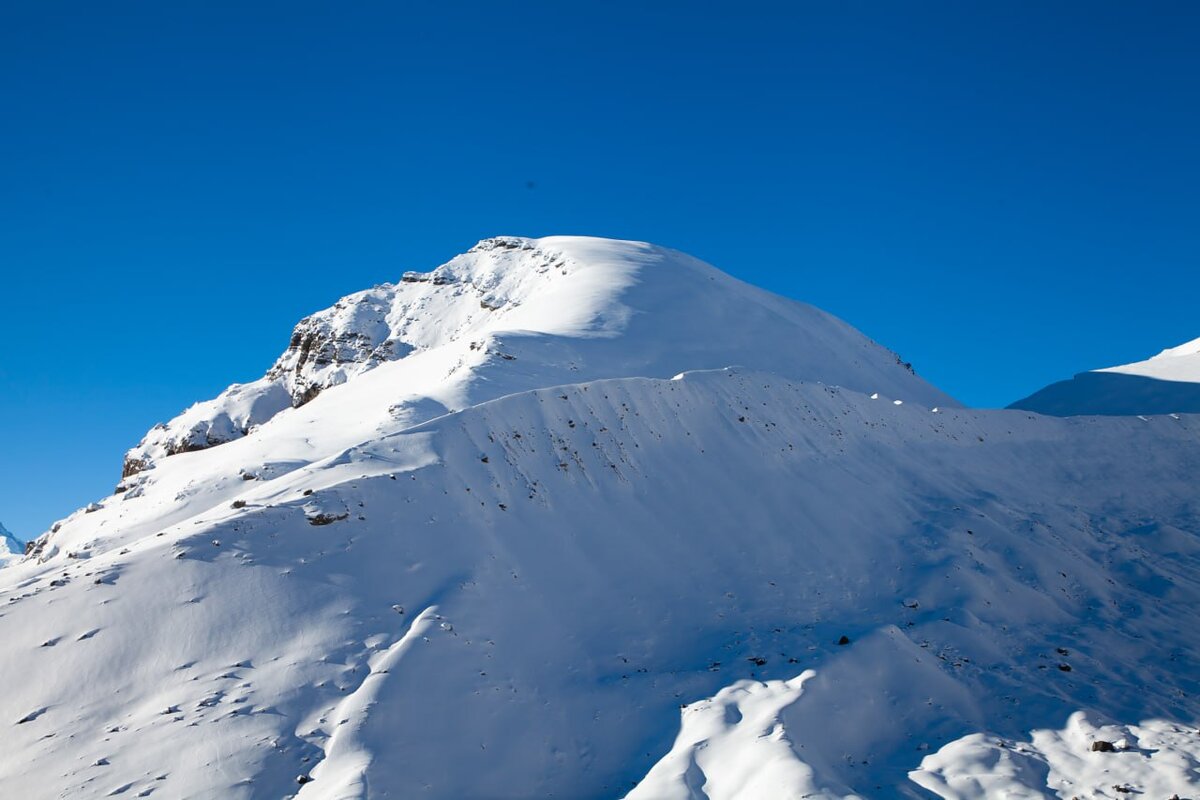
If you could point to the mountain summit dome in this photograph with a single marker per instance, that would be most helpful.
(514, 313)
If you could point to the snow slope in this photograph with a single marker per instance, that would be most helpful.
(1167, 383)
(737, 582)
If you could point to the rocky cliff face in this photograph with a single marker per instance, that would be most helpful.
(332, 345)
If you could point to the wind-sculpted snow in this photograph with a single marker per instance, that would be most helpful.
(515, 314)
(1155, 759)
(517, 600)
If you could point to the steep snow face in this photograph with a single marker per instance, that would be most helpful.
(513, 314)
(1167, 383)
(10, 548)
(516, 599)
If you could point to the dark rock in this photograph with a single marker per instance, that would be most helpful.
(132, 466)
(844, 640)
(1101, 746)
(326, 519)
(36, 546)
(191, 442)
(305, 395)
(238, 504)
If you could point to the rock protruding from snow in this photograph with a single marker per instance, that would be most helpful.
(333, 345)
(513, 314)
(1168, 383)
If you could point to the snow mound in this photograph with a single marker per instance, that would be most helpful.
(734, 745)
(1157, 758)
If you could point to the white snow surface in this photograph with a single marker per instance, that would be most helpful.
(1180, 363)
(567, 574)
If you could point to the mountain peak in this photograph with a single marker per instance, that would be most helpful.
(10, 546)
(514, 312)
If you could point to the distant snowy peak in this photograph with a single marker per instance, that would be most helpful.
(1165, 384)
(9, 546)
(567, 308)
(1180, 363)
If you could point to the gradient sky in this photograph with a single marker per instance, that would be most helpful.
(1005, 193)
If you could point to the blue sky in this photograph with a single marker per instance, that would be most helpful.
(1005, 193)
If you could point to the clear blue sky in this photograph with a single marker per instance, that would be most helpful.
(1005, 193)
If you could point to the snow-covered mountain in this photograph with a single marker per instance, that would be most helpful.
(1165, 384)
(10, 547)
(513, 314)
(580, 518)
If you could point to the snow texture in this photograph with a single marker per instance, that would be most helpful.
(522, 560)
